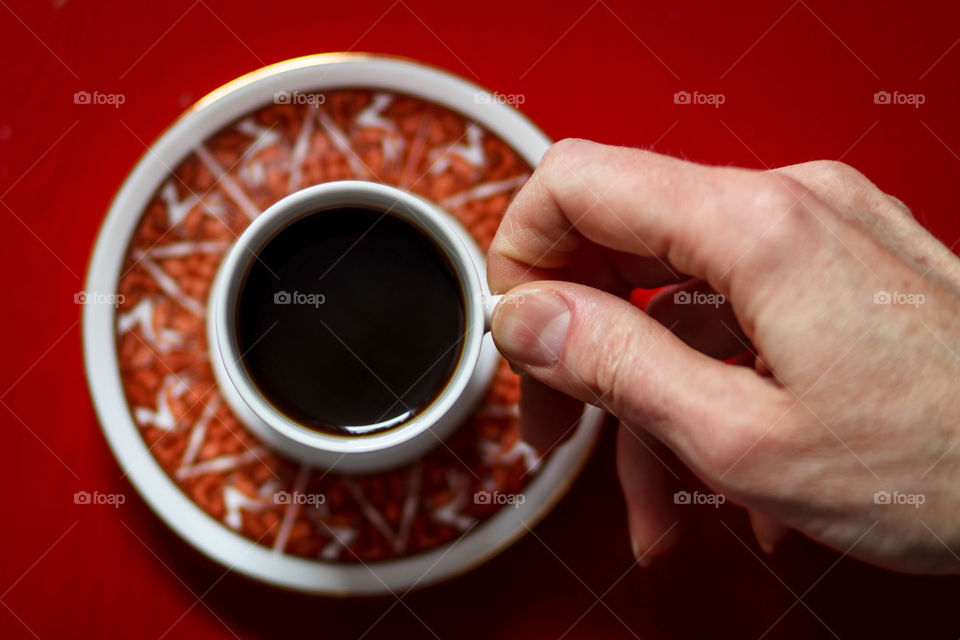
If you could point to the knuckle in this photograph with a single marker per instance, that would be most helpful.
(721, 447)
(776, 193)
(900, 206)
(561, 156)
(746, 446)
(865, 198)
(834, 171)
(720, 450)
(784, 213)
(616, 374)
(554, 174)
(563, 179)
(612, 362)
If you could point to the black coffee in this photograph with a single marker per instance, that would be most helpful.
(350, 321)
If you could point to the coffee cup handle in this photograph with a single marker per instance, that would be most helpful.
(489, 304)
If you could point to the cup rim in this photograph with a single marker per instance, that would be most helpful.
(430, 220)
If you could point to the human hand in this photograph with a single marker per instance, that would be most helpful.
(848, 312)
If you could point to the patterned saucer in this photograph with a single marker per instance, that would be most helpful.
(239, 150)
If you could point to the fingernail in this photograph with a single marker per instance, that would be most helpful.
(766, 545)
(640, 554)
(767, 532)
(531, 331)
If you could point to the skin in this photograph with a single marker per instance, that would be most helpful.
(798, 398)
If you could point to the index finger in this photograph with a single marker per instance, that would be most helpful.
(701, 221)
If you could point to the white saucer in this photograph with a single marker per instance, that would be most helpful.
(161, 491)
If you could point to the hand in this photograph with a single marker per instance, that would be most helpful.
(847, 310)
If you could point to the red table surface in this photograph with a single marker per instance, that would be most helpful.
(798, 79)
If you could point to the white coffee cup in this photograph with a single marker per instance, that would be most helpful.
(426, 429)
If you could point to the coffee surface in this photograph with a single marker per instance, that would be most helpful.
(350, 321)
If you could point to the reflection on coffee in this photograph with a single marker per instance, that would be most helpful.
(350, 321)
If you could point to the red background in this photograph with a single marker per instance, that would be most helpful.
(605, 70)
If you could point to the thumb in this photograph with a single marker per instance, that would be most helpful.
(601, 349)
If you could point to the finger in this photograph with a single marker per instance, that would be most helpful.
(603, 350)
(767, 531)
(648, 484)
(702, 221)
(700, 317)
(547, 416)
